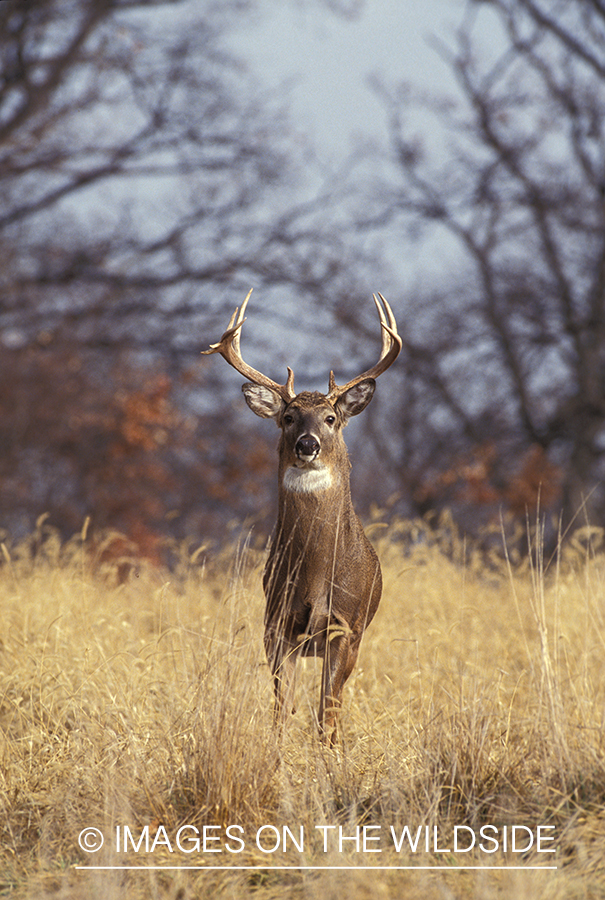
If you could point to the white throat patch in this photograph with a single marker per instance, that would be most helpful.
(307, 481)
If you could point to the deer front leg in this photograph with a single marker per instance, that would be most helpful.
(281, 657)
(339, 660)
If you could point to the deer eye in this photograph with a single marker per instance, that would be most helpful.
(288, 419)
(330, 420)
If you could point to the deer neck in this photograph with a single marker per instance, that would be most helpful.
(319, 483)
(318, 494)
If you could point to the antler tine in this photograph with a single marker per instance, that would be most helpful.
(237, 321)
(384, 334)
(229, 348)
(391, 346)
(388, 326)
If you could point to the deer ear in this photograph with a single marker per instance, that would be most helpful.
(263, 401)
(355, 400)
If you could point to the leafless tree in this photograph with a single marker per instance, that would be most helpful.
(138, 163)
(142, 175)
(503, 392)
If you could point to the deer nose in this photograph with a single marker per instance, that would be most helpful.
(307, 446)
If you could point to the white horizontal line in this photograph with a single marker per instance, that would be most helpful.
(330, 868)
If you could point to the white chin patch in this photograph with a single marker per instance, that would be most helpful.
(306, 458)
(307, 481)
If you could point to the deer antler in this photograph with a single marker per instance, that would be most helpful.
(228, 347)
(391, 345)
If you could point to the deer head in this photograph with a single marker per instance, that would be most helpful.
(310, 421)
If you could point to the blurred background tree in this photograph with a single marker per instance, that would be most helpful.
(142, 174)
(502, 399)
(146, 182)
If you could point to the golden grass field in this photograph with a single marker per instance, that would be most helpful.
(144, 707)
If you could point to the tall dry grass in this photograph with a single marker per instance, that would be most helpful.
(478, 700)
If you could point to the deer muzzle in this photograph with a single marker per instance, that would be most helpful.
(307, 448)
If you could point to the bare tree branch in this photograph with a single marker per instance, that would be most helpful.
(521, 193)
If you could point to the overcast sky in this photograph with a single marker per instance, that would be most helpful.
(326, 60)
(320, 64)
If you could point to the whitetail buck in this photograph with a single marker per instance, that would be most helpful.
(322, 579)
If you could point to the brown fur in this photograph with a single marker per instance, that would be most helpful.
(322, 579)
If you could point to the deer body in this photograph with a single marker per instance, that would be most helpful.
(322, 579)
